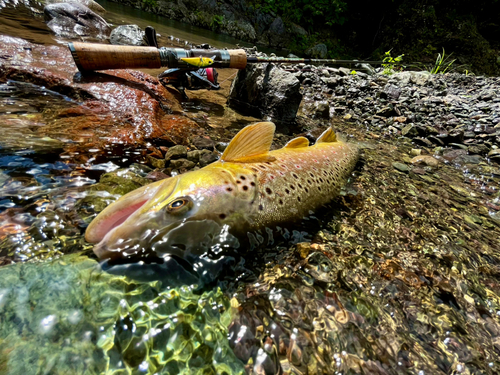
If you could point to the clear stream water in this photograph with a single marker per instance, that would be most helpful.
(399, 275)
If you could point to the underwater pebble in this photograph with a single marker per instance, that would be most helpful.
(401, 167)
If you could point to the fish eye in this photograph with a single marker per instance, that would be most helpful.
(180, 205)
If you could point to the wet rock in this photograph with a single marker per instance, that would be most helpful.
(128, 35)
(207, 157)
(75, 20)
(181, 164)
(194, 156)
(409, 130)
(91, 4)
(422, 142)
(136, 110)
(494, 155)
(480, 149)
(266, 91)
(203, 143)
(453, 154)
(426, 160)
(155, 162)
(401, 167)
(176, 152)
(221, 146)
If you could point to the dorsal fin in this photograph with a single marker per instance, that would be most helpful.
(252, 140)
(327, 136)
(298, 143)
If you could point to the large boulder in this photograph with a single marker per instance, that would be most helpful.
(266, 91)
(74, 20)
(128, 35)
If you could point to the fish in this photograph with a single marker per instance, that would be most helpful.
(248, 188)
(199, 62)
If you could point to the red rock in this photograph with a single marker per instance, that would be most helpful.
(120, 106)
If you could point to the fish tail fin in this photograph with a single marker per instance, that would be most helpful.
(328, 136)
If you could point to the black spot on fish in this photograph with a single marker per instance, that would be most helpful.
(294, 175)
(292, 187)
(229, 189)
(243, 178)
(252, 183)
(222, 216)
(261, 207)
(245, 187)
(238, 181)
(269, 191)
(281, 201)
(287, 191)
(298, 198)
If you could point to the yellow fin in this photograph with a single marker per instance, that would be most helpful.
(298, 143)
(252, 140)
(327, 136)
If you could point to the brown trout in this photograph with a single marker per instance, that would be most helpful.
(249, 188)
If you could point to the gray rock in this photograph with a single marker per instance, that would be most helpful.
(221, 146)
(265, 91)
(409, 130)
(392, 91)
(181, 164)
(194, 156)
(176, 152)
(319, 51)
(128, 35)
(344, 71)
(75, 20)
(401, 167)
(156, 163)
(202, 143)
(207, 157)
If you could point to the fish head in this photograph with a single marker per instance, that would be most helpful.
(131, 226)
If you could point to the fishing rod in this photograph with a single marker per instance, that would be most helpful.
(89, 56)
(190, 69)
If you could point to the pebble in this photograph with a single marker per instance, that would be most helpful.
(425, 159)
(401, 167)
(176, 152)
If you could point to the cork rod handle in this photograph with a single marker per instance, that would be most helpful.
(91, 56)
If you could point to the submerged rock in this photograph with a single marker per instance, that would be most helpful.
(75, 20)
